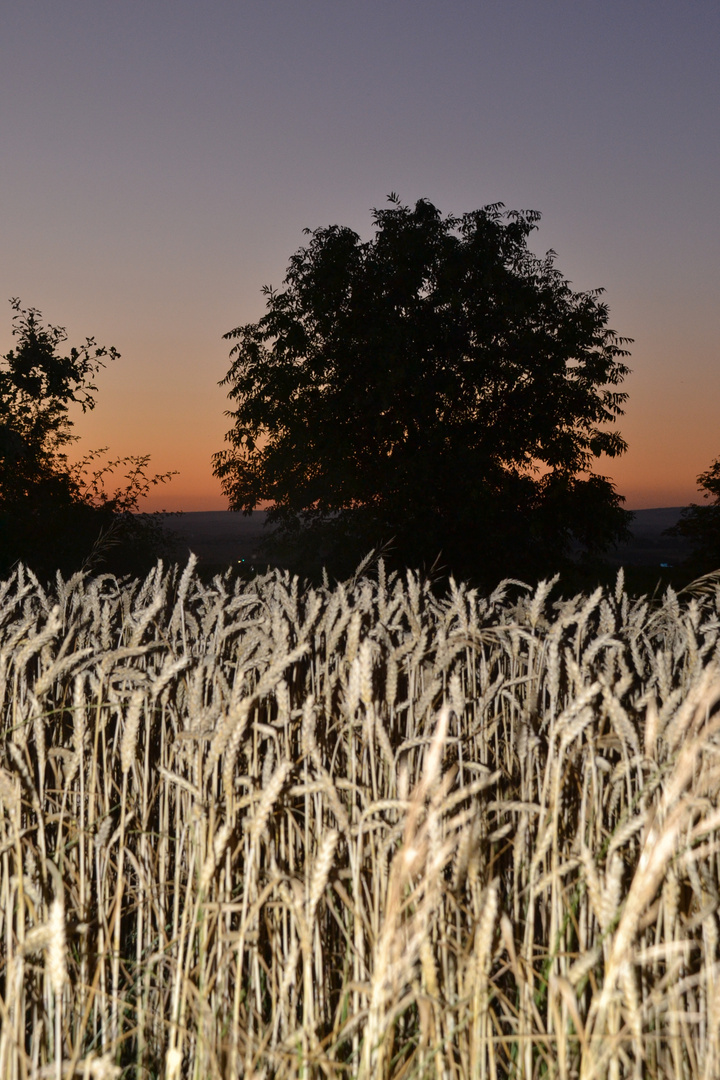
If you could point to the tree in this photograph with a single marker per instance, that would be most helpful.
(701, 524)
(439, 385)
(54, 515)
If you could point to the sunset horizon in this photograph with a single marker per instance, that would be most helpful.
(158, 173)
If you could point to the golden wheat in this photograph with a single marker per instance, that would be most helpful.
(270, 830)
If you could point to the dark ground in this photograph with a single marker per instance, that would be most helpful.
(220, 538)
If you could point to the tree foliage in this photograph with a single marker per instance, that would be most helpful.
(439, 385)
(701, 524)
(54, 515)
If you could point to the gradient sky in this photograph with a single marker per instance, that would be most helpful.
(159, 160)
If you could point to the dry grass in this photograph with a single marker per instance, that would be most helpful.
(253, 829)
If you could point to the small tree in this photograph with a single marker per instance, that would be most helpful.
(701, 524)
(54, 515)
(439, 385)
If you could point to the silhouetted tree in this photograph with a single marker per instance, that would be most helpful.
(701, 524)
(54, 515)
(439, 385)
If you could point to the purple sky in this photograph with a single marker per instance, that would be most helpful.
(159, 161)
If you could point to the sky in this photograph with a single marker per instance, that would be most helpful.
(159, 160)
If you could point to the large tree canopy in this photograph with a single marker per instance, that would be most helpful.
(440, 385)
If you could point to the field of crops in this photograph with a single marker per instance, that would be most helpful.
(252, 828)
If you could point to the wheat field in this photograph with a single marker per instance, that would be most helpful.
(260, 829)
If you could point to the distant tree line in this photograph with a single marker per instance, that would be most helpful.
(438, 393)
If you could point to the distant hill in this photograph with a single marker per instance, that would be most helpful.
(648, 546)
(220, 538)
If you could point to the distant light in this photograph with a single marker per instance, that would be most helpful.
(666, 565)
